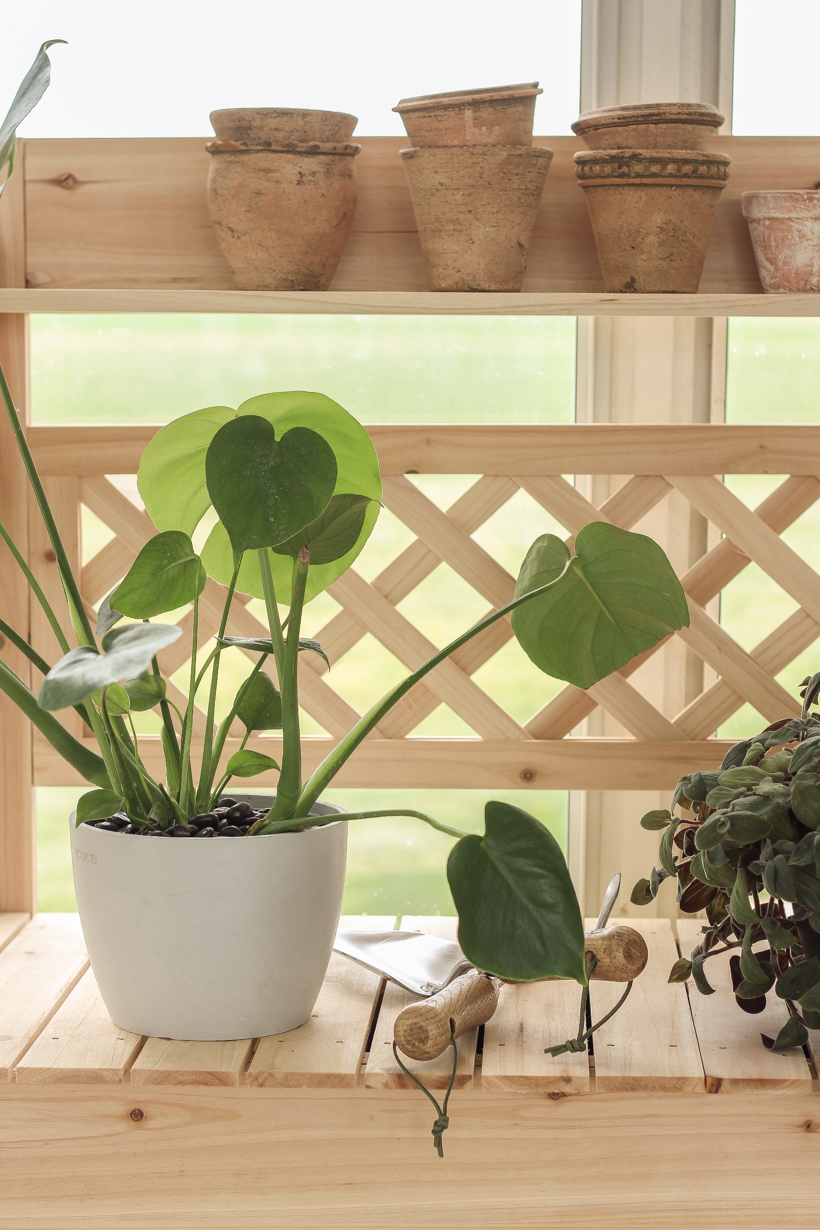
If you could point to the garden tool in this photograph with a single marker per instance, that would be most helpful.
(457, 996)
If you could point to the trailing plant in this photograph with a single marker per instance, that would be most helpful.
(743, 842)
(294, 483)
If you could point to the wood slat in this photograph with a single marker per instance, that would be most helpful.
(382, 1071)
(649, 1045)
(80, 1045)
(633, 710)
(38, 968)
(527, 1019)
(99, 576)
(444, 764)
(327, 1051)
(734, 1058)
(10, 924)
(163, 1061)
(522, 449)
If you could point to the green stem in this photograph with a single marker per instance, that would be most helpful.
(126, 785)
(188, 724)
(272, 609)
(345, 748)
(35, 659)
(140, 772)
(85, 634)
(206, 775)
(91, 766)
(290, 777)
(227, 777)
(32, 580)
(225, 726)
(292, 825)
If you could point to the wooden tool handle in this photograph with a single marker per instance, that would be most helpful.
(422, 1030)
(621, 952)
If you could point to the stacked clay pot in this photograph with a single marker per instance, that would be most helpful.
(785, 228)
(282, 194)
(652, 190)
(476, 182)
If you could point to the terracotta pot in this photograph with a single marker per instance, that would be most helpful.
(475, 207)
(785, 230)
(282, 208)
(257, 125)
(497, 115)
(652, 215)
(649, 126)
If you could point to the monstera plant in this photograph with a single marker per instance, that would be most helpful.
(293, 484)
(743, 844)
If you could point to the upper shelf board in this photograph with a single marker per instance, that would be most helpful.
(131, 216)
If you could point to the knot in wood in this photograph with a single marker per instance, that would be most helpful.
(67, 181)
(50, 556)
(136, 1114)
(528, 775)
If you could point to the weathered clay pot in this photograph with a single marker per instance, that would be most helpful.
(475, 207)
(282, 208)
(785, 230)
(255, 125)
(652, 215)
(673, 125)
(496, 115)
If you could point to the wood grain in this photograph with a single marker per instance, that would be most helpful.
(164, 1061)
(649, 1045)
(382, 1071)
(528, 1019)
(10, 924)
(80, 1045)
(327, 1051)
(734, 1058)
(38, 968)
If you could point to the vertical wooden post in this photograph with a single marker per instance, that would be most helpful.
(648, 370)
(17, 854)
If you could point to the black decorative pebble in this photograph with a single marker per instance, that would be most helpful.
(157, 833)
(108, 826)
(226, 801)
(205, 820)
(206, 833)
(184, 830)
(129, 828)
(230, 830)
(240, 811)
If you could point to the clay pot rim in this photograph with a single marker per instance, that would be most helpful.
(648, 113)
(474, 151)
(585, 156)
(780, 203)
(271, 111)
(458, 98)
(284, 147)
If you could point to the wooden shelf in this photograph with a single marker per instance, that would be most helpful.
(405, 303)
(123, 226)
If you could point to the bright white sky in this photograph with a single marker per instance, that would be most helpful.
(158, 68)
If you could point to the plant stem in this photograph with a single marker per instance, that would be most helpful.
(126, 786)
(85, 634)
(225, 726)
(40, 596)
(272, 609)
(227, 777)
(331, 764)
(206, 775)
(290, 777)
(91, 766)
(188, 724)
(311, 822)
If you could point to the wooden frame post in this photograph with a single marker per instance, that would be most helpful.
(17, 850)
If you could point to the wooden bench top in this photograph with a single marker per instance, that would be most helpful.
(54, 1030)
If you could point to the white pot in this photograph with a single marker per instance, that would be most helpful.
(210, 939)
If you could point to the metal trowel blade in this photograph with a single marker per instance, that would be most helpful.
(420, 963)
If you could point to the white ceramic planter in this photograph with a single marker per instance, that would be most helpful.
(209, 940)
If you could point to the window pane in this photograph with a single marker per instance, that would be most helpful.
(775, 85)
(159, 72)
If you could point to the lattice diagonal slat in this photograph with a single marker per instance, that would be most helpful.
(446, 537)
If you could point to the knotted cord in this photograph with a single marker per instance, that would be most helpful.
(443, 1122)
(579, 1043)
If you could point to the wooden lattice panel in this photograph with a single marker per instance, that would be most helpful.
(647, 465)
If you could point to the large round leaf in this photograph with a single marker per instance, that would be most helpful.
(518, 914)
(171, 477)
(618, 597)
(267, 487)
(166, 575)
(172, 480)
(82, 671)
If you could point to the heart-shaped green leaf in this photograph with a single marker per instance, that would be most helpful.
(266, 489)
(83, 671)
(261, 706)
(248, 764)
(107, 616)
(171, 478)
(145, 692)
(617, 598)
(332, 534)
(167, 574)
(98, 805)
(117, 700)
(518, 913)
